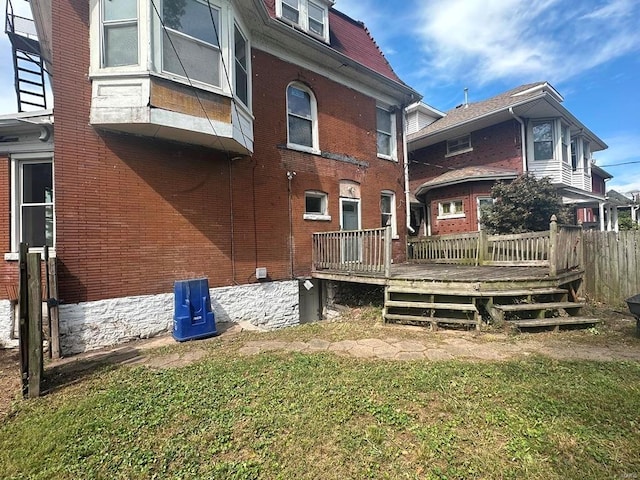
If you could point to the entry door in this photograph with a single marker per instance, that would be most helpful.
(350, 220)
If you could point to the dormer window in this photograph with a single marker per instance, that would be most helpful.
(312, 17)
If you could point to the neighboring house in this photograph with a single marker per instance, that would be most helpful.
(459, 155)
(195, 141)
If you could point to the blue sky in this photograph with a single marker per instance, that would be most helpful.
(588, 50)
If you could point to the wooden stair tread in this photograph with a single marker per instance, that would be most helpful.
(547, 322)
(523, 307)
(417, 318)
(520, 293)
(434, 305)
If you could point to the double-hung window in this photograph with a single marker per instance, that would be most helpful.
(388, 211)
(34, 203)
(316, 19)
(385, 137)
(459, 145)
(241, 55)
(301, 118)
(120, 33)
(543, 140)
(191, 40)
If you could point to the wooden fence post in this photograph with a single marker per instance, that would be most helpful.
(553, 246)
(388, 252)
(35, 323)
(483, 247)
(23, 318)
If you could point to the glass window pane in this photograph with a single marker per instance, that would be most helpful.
(201, 62)
(542, 132)
(242, 90)
(384, 120)
(37, 225)
(37, 183)
(300, 131)
(313, 204)
(543, 150)
(120, 45)
(192, 18)
(316, 19)
(384, 144)
(120, 9)
(385, 204)
(299, 102)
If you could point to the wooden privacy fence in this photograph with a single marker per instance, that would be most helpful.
(559, 248)
(612, 266)
(353, 251)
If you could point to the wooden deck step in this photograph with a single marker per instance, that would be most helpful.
(524, 307)
(522, 293)
(556, 321)
(420, 318)
(465, 307)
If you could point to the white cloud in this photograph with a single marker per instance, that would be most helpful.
(491, 40)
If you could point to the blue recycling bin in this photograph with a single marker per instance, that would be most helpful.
(193, 317)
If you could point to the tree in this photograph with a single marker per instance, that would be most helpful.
(625, 222)
(524, 205)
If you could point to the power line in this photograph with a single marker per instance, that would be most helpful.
(621, 163)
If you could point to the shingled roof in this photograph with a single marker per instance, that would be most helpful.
(466, 174)
(466, 113)
(352, 39)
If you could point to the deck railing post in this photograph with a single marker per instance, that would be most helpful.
(387, 252)
(483, 247)
(553, 246)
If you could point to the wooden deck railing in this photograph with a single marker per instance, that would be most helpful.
(559, 248)
(353, 251)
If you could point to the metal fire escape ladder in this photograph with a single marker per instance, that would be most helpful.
(28, 67)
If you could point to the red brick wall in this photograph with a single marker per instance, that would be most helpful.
(135, 214)
(8, 270)
(497, 146)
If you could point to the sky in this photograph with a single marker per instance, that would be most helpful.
(589, 50)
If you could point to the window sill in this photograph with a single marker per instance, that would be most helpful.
(302, 148)
(387, 157)
(449, 217)
(317, 217)
(15, 256)
(460, 152)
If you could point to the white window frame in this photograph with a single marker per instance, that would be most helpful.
(479, 201)
(314, 148)
(442, 215)
(17, 161)
(222, 48)
(303, 17)
(100, 60)
(393, 147)
(247, 46)
(554, 140)
(459, 145)
(565, 143)
(393, 217)
(323, 215)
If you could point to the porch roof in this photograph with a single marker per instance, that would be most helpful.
(467, 174)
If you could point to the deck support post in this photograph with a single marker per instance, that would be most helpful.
(553, 246)
(388, 251)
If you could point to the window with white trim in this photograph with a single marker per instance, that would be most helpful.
(33, 203)
(451, 209)
(388, 211)
(385, 126)
(316, 205)
(542, 133)
(586, 152)
(310, 16)
(566, 142)
(191, 40)
(459, 145)
(119, 33)
(241, 65)
(302, 129)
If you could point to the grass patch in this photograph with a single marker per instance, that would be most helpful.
(290, 415)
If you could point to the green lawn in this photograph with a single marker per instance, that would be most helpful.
(291, 415)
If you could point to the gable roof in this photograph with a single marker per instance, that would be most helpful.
(351, 38)
(532, 100)
(618, 199)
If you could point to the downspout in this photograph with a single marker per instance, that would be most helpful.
(522, 139)
(405, 159)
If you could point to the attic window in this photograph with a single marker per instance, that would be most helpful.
(312, 17)
(459, 145)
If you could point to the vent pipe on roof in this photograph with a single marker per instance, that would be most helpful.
(466, 97)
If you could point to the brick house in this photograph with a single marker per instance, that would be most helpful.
(457, 156)
(201, 139)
